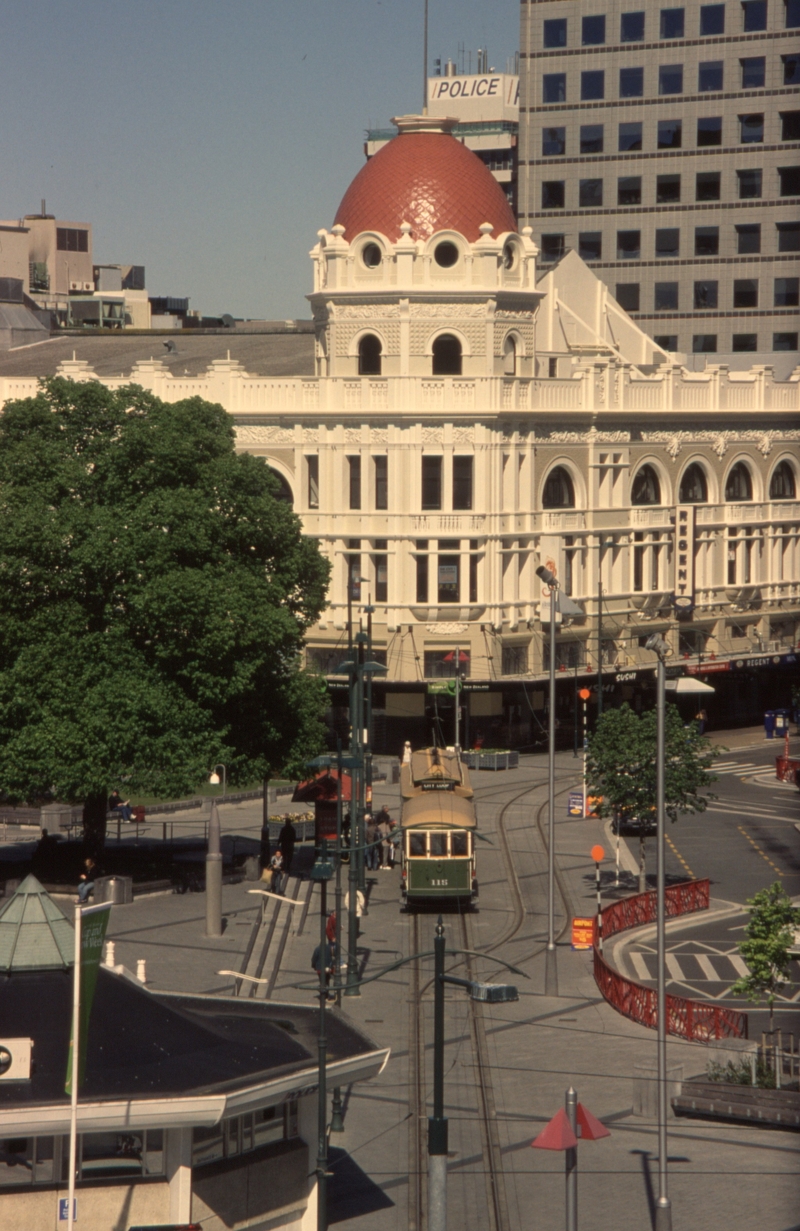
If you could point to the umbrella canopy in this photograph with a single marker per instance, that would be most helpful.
(687, 684)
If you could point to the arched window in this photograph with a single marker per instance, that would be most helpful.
(646, 487)
(282, 490)
(446, 356)
(694, 489)
(739, 485)
(558, 490)
(510, 356)
(782, 485)
(369, 355)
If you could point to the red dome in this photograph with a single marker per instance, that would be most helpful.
(430, 180)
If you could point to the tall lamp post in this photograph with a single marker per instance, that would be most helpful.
(565, 607)
(437, 1124)
(356, 668)
(322, 871)
(601, 544)
(663, 1221)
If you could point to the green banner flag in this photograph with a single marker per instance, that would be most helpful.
(94, 921)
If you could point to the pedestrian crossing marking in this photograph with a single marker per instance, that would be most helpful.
(673, 966)
(738, 964)
(640, 965)
(755, 813)
(708, 970)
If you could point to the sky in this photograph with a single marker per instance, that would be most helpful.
(209, 140)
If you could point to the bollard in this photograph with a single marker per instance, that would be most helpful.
(141, 970)
(110, 953)
(571, 1161)
(214, 876)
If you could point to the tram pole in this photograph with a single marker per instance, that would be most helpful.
(663, 1219)
(437, 1124)
(551, 966)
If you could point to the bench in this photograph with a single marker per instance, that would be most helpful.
(717, 1100)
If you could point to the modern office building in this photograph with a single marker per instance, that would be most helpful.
(663, 144)
(468, 420)
(51, 260)
(486, 105)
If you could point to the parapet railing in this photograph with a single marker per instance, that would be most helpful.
(698, 1020)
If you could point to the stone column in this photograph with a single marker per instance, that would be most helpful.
(179, 1173)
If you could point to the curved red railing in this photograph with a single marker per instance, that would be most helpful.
(699, 1020)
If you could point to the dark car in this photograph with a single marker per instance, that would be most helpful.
(635, 826)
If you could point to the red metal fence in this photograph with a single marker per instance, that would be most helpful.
(700, 1020)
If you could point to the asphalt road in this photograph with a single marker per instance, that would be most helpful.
(746, 839)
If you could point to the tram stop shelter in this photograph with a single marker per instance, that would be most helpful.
(194, 1107)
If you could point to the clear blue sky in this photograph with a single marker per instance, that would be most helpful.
(209, 140)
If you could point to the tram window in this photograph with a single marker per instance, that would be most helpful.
(416, 844)
(438, 844)
(459, 844)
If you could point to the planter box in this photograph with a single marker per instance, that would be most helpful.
(718, 1100)
(491, 760)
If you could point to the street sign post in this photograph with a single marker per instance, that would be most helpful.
(575, 803)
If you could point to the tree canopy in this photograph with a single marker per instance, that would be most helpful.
(621, 764)
(154, 594)
(765, 949)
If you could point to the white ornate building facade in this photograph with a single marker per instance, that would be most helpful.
(468, 422)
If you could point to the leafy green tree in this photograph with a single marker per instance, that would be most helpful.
(621, 766)
(765, 949)
(154, 593)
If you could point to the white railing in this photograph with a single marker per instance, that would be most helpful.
(595, 386)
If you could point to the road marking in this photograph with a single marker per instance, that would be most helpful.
(738, 964)
(756, 813)
(640, 965)
(708, 970)
(758, 849)
(677, 853)
(673, 966)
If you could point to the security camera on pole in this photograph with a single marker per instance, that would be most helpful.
(565, 606)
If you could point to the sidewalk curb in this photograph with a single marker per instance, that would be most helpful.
(627, 860)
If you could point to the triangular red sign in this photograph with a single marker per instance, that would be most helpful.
(589, 1126)
(557, 1135)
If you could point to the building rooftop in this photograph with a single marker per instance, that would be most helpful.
(262, 354)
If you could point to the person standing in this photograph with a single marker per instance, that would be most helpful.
(276, 864)
(372, 856)
(384, 832)
(286, 840)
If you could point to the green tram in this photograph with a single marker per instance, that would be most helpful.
(438, 829)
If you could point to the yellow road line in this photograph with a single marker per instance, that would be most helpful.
(758, 849)
(677, 853)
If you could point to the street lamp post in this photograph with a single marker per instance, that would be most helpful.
(551, 967)
(214, 875)
(356, 668)
(663, 1221)
(437, 1123)
(322, 872)
(601, 544)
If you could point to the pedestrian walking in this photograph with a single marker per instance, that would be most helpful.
(318, 957)
(385, 832)
(286, 840)
(276, 864)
